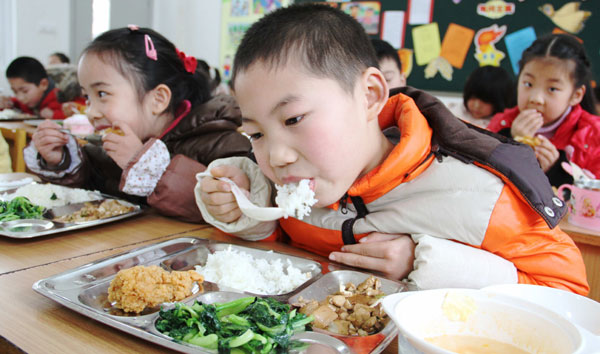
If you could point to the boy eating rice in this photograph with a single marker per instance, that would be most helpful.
(314, 104)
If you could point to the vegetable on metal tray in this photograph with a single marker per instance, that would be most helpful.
(246, 325)
(20, 208)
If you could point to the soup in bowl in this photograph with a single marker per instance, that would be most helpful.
(446, 321)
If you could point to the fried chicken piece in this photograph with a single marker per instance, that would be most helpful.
(136, 288)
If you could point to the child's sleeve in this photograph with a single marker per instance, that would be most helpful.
(260, 194)
(70, 165)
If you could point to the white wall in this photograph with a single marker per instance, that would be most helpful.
(44, 27)
(193, 25)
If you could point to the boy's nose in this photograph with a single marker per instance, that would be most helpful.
(281, 154)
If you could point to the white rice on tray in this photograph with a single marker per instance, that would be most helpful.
(52, 195)
(240, 270)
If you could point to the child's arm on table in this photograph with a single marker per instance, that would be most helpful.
(392, 255)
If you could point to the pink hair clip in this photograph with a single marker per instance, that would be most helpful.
(133, 27)
(150, 50)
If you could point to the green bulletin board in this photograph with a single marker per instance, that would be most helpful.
(527, 13)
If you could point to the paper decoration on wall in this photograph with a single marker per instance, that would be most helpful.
(496, 9)
(568, 17)
(426, 39)
(516, 43)
(456, 44)
(365, 12)
(332, 4)
(240, 8)
(485, 49)
(420, 11)
(406, 58)
(392, 28)
(262, 7)
(439, 65)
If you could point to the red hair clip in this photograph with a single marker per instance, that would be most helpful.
(189, 63)
(150, 51)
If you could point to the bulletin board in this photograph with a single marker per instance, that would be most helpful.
(523, 20)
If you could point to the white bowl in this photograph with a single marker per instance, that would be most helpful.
(578, 309)
(498, 317)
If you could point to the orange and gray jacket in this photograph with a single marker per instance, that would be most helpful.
(480, 214)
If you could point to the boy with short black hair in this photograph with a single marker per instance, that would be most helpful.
(447, 206)
(389, 63)
(34, 92)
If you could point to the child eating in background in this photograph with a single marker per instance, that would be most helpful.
(34, 92)
(389, 63)
(487, 91)
(165, 125)
(314, 104)
(555, 111)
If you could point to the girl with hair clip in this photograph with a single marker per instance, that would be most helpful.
(164, 125)
(555, 111)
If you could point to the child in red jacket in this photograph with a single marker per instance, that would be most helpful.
(34, 92)
(555, 112)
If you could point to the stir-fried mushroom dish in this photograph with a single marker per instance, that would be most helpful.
(92, 211)
(354, 310)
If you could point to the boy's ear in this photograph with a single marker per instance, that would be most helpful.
(44, 83)
(376, 90)
(160, 98)
(577, 95)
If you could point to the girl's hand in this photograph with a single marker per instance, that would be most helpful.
(121, 148)
(49, 142)
(5, 102)
(527, 123)
(546, 153)
(391, 254)
(217, 196)
(47, 113)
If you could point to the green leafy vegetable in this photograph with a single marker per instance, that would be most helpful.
(20, 208)
(247, 325)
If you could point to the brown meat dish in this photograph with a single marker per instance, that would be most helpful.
(136, 288)
(353, 310)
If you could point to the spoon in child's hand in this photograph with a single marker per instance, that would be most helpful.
(246, 206)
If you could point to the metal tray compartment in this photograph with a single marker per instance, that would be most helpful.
(84, 290)
(29, 228)
(198, 256)
(330, 283)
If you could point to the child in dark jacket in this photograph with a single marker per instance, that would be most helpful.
(166, 126)
(555, 112)
(34, 92)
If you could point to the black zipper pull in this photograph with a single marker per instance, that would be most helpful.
(344, 203)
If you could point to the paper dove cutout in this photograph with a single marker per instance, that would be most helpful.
(440, 65)
(568, 17)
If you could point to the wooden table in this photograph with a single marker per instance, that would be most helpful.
(19, 254)
(33, 323)
(588, 242)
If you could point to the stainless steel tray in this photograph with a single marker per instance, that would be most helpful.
(85, 290)
(29, 228)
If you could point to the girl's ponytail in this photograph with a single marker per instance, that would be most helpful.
(565, 47)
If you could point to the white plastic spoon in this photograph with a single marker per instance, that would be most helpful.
(246, 206)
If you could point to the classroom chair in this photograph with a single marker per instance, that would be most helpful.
(17, 140)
